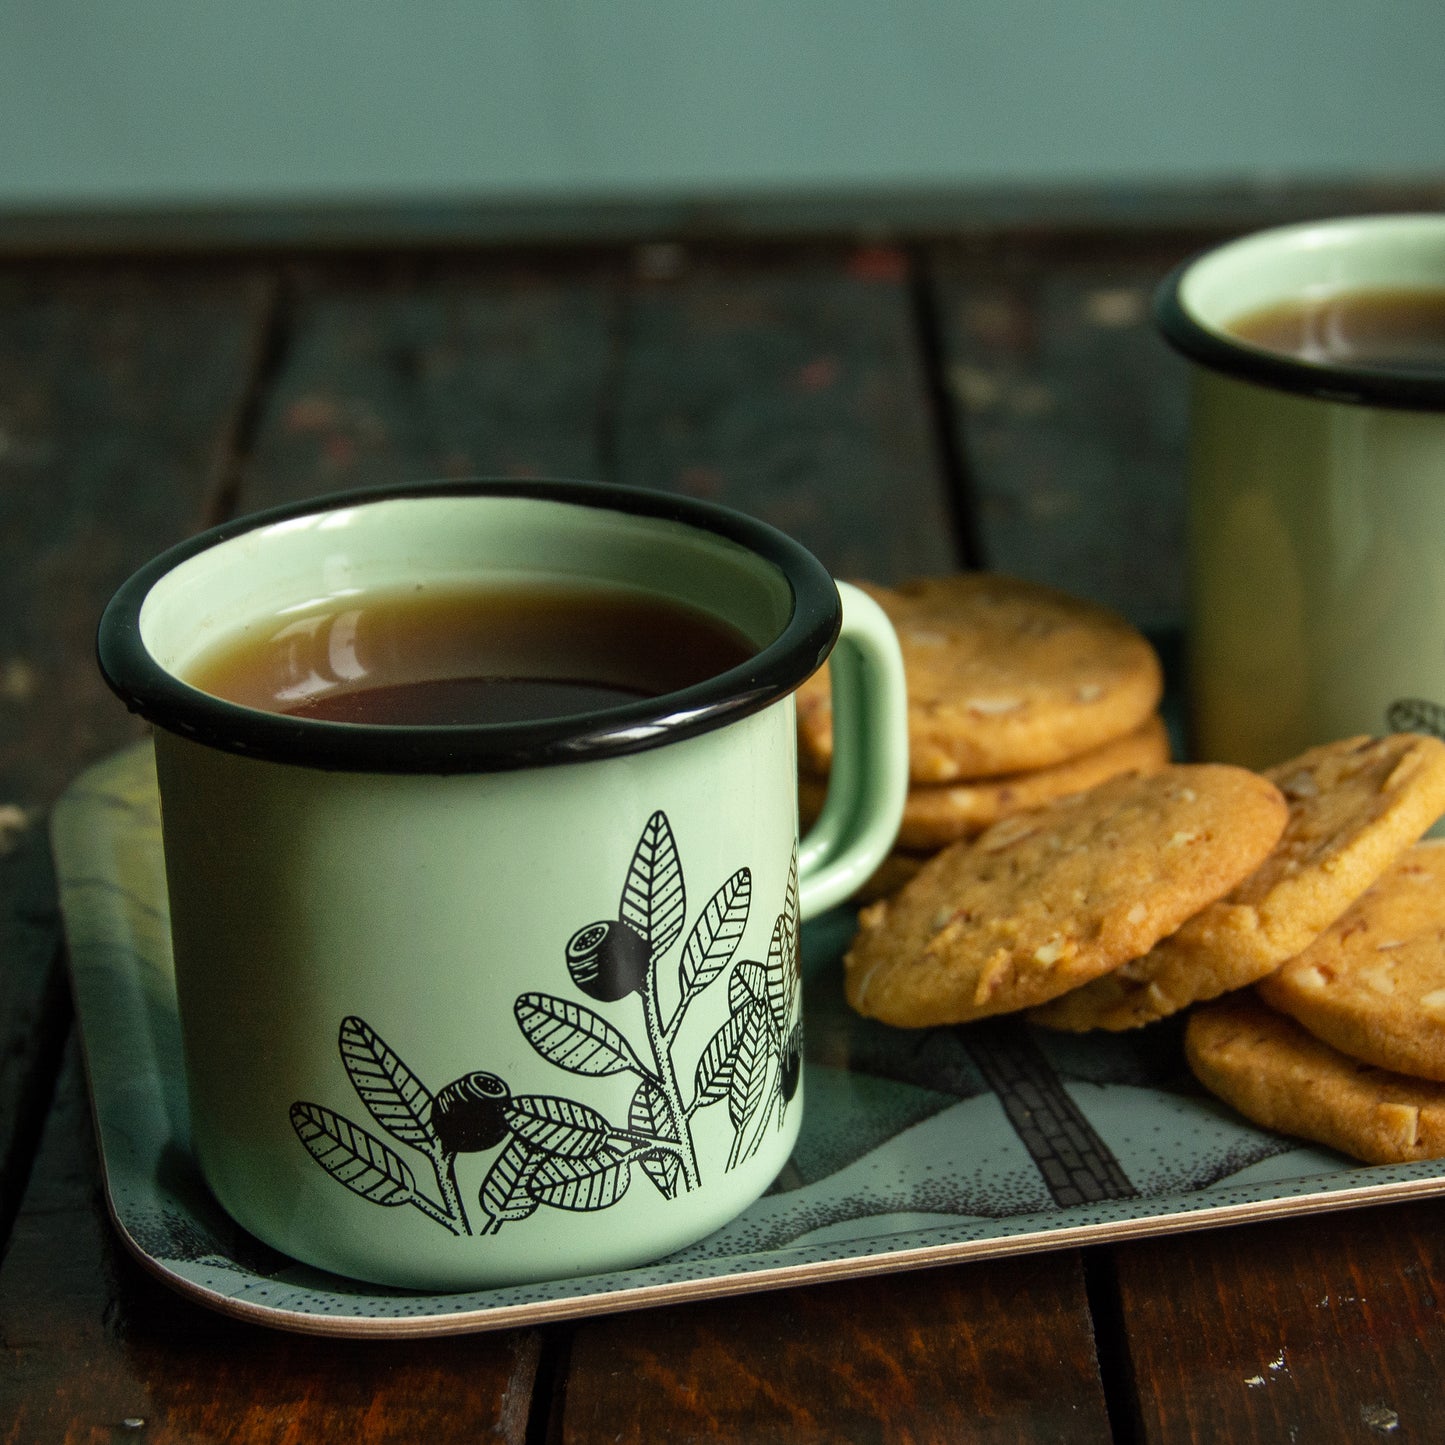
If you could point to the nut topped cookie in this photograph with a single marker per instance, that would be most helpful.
(1373, 984)
(1003, 676)
(1046, 900)
(1354, 807)
(1281, 1076)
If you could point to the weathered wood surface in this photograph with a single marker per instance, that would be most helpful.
(393, 372)
(34, 1009)
(120, 393)
(1070, 414)
(1322, 1329)
(987, 1352)
(851, 394)
(119, 390)
(790, 387)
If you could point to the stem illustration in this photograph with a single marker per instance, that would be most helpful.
(667, 1078)
(457, 1227)
(445, 1165)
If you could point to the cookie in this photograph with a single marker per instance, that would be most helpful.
(1373, 984)
(1282, 1077)
(1354, 807)
(1046, 900)
(937, 814)
(1003, 676)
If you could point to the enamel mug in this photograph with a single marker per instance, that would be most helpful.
(1316, 499)
(469, 1005)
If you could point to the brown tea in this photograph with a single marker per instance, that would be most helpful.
(1384, 330)
(443, 656)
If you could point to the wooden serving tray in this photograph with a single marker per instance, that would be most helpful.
(918, 1148)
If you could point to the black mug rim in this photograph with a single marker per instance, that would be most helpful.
(779, 668)
(1215, 350)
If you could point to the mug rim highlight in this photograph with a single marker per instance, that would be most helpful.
(164, 699)
(1205, 340)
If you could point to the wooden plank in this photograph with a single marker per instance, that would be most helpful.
(97, 1349)
(120, 392)
(120, 389)
(986, 1352)
(406, 371)
(1072, 414)
(34, 1007)
(789, 384)
(1328, 1329)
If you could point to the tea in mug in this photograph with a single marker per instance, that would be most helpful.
(1399, 330)
(435, 656)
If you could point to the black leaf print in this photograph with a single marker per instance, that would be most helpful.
(748, 985)
(653, 900)
(716, 933)
(359, 1160)
(506, 1192)
(549, 1150)
(779, 975)
(715, 1069)
(648, 1114)
(574, 1038)
(582, 1184)
(749, 1079)
(394, 1095)
(559, 1126)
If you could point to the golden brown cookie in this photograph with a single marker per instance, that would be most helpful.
(1281, 1076)
(1354, 807)
(1046, 900)
(937, 814)
(1003, 676)
(1373, 984)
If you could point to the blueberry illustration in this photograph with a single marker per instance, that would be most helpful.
(470, 1113)
(607, 960)
(792, 1064)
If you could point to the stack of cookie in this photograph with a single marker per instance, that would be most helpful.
(1351, 809)
(1345, 1044)
(1017, 695)
(1148, 893)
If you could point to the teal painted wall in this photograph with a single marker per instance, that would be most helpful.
(158, 101)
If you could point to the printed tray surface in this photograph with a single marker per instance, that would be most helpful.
(917, 1148)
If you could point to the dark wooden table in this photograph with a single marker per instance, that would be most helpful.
(994, 396)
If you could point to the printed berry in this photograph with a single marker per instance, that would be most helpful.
(792, 1064)
(607, 960)
(470, 1113)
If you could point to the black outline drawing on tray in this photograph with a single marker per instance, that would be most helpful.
(564, 1152)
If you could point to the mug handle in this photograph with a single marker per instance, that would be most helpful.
(869, 774)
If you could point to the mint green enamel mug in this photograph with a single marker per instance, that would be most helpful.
(1316, 495)
(473, 1004)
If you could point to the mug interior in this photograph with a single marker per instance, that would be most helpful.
(439, 541)
(1315, 260)
(258, 570)
(1198, 303)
